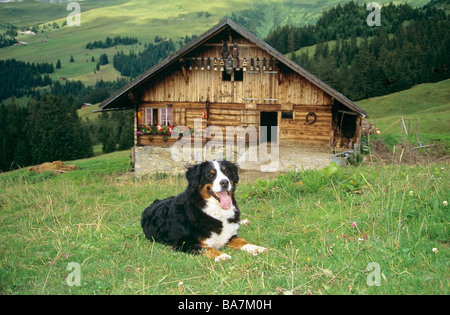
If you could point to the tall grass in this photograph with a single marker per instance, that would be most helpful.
(322, 230)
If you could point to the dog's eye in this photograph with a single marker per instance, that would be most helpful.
(210, 175)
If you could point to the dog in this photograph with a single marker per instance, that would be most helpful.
(202, 219)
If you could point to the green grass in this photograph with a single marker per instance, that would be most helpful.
(92, 217)
(429, 102)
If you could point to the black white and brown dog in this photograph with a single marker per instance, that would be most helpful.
(202, 219)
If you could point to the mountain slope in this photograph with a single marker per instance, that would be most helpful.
(429, 102)
(142, 19)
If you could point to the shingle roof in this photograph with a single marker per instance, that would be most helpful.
(120, 99)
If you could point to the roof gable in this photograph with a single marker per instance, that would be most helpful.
(122, 100)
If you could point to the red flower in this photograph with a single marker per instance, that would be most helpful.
(159, 128)
(170, 129)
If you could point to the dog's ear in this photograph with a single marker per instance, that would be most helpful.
(235, 168)
(193, 176)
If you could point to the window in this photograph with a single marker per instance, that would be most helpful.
(151, 116)
(238, 75)
(226, 76)
(165, 117)
(235, 75)
(287, 115)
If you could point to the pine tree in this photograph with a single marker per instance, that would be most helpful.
(57, 133)
(48, 133)
(103, 60)
(3, 121)
(110, 144)
(58, 64)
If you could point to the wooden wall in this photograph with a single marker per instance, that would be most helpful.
(295, 130)
(240, 103)
(287, 88)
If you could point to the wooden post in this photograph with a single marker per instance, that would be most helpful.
(401, 126)
(409, 126)
(417, 129)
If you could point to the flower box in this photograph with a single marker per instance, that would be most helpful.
(148, 139)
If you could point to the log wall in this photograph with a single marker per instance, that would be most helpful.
(287, 88)
(240, 103)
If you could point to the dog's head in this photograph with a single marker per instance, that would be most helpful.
(214, 179)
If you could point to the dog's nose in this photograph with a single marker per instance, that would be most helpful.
(224, 184)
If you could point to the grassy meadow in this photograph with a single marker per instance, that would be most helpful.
(322, 229)
(429, 102)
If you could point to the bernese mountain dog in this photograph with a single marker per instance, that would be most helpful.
(202, 219)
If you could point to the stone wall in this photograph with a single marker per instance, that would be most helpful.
(153, 159)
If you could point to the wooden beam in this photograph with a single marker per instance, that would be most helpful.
(280, 78)
(231, 45)
(347, 112)
(185, 75)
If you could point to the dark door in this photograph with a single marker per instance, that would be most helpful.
(269, 120)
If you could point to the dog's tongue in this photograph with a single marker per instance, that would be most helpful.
(225, 200)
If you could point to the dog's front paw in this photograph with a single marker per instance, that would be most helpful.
(253, 249)
(222, 257)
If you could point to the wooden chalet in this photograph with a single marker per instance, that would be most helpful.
(229, 77)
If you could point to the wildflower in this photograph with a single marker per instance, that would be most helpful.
(435, 250)
(354, 224)
(445, 203)
(411, 193)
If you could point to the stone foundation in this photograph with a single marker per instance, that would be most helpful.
(154, 159)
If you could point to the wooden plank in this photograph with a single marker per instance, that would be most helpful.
(224, 112)
(300, 132)
(308, 108)
(308, 143)
(269, 107)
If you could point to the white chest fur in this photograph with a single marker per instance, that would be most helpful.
(214, 210)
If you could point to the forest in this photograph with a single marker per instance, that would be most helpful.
(18, 78)
(133, 64)
(111, 42)
(49, 129)
(410, 47)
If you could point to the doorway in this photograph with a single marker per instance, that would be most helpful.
(269, 120)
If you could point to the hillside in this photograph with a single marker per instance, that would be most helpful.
(142, 19)
(429, 102)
